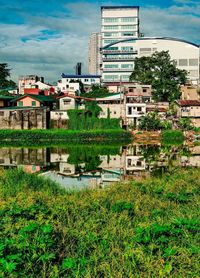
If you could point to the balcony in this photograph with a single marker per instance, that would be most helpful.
(117, 70)
(119, 52)
(109, 59)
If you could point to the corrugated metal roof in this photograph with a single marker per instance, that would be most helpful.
(189, 103)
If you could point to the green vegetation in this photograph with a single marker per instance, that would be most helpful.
(161, 72)
(172, 137)
(137, 229)
(98, 92)
(61, 136)
(4, 76)
(185, 124)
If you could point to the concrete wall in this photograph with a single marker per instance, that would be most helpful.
(23, 119)
(189, 93)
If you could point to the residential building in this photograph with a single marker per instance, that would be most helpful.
(94, 55)
(27, 81)
(34, 101)
(112, 106)
(67, 86)
(86, 79)
(185, 55)
(129, 87)
(189, 109)
(118, 24)
(190, 92)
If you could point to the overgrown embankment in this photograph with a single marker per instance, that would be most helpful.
(171, 137)
(140, 229)
(60, 136)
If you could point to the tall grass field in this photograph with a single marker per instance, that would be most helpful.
(147, 228)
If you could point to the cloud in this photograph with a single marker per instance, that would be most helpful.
(50, 43)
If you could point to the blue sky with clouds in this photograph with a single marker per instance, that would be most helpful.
(49, 37)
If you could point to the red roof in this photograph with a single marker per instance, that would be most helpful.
(189, 103)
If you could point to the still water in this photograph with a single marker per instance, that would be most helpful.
(95, 166)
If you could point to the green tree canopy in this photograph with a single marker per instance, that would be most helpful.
(161, 72)
(97, 91)
(4, 76)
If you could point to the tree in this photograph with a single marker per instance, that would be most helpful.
(185, 124)
(150, 121)
(93, 108)
(161, 72)
(97, 91)
(4, 75)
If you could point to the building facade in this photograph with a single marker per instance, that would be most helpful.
(185, 55)
(94, 56)
(27, 81)
(118, 23)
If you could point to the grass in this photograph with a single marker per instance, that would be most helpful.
(172, 137)
(146, 228)
(57, 136)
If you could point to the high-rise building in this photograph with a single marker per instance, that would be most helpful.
(94, 56)
(118, 23)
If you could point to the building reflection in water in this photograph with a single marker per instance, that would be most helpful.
(81, 167)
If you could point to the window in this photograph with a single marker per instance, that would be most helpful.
(110, 19)
(127, 48)
(129, 110)
(144, 90)
(111, 34)
(183, 62)
(129, 27)
(109, 41)
(139, 109)
(129, 34)
(139, 163)
(33, 103)
(111, 77)
(128, 19)
(125, 77)
(66, 101)
(1, 113)
(111, 66)
(127, 66)
(193, 62)
(20, 103)
(129, 162)
(144, 51)
(115, 112)
(112, 48)
(111, 27)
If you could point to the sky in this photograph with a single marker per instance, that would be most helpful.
(48, 37)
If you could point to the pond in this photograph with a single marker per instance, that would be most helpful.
(95, 166)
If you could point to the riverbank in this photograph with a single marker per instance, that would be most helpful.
(60, 136)
(147, 228)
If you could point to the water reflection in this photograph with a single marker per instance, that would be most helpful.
(81, 166)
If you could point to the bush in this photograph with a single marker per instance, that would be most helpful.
(140, 229)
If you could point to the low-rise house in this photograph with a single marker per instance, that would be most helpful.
(24, 118)
(5, 100)
(133, 112)
(189, 109)
(34, 101)
(112, 106)
(129, 87)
